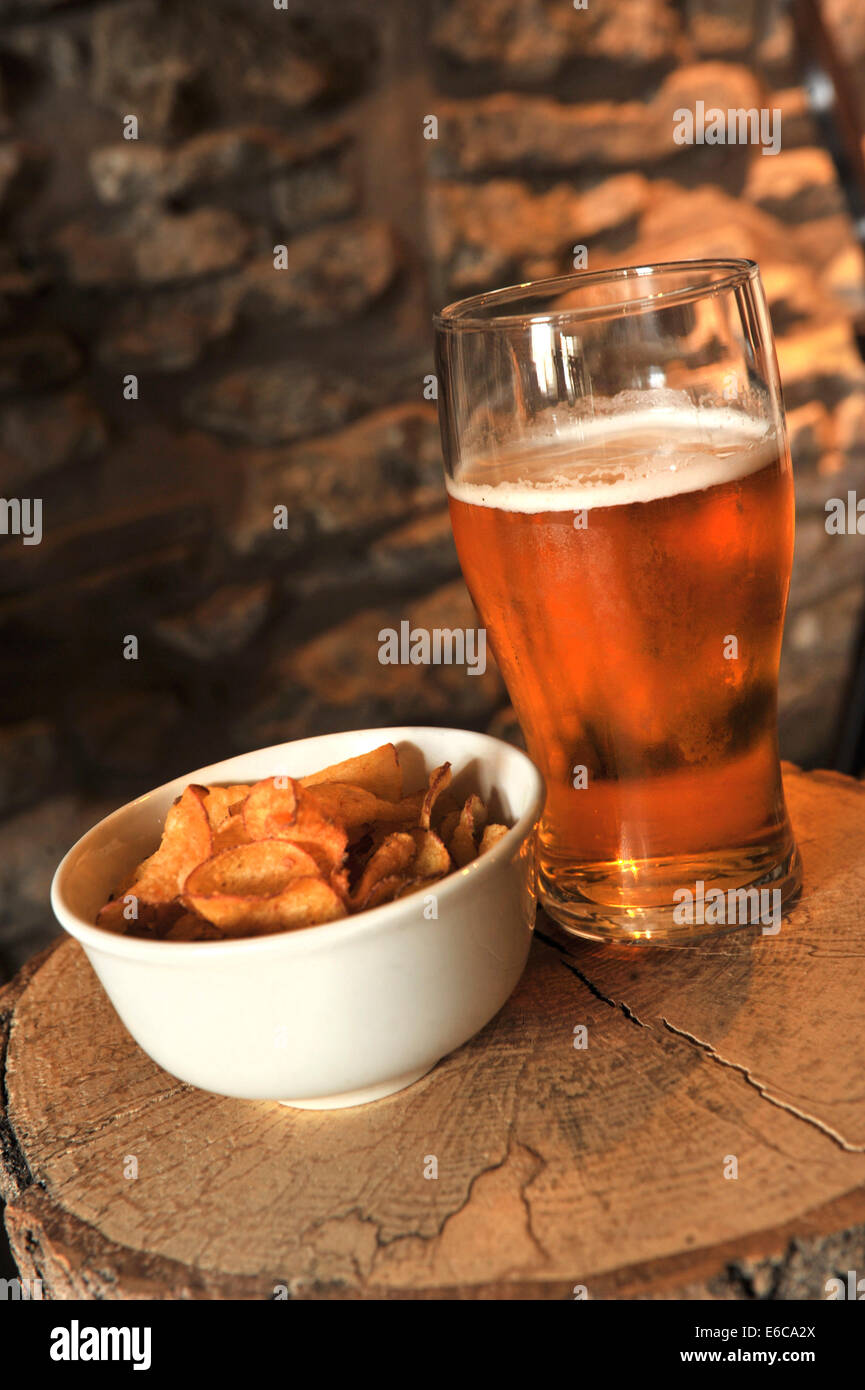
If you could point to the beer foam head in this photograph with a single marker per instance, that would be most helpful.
(619, 459)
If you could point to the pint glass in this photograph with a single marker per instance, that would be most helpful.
(622, 502)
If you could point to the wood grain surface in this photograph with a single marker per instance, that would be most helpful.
(604, 1167)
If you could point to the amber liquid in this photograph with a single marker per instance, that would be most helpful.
(640, 648)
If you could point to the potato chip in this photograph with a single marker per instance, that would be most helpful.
(132, 916)
(409, 886)
(448, 826)
(237, 793)
(378, 772)
(432, 859)
(303, 902)
(392, 859)
(353, 807)
(384, 890)
(491, 836)
(439, 779)
(274, 811)
(231, 832)
(113, 915)
(419, 885)
(189, 927)
(270, 806)
(262, 868)
(186, 840)
(464, 840)
(220, 802)
(339, 882)
(408, 810)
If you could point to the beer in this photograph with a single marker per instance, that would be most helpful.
(632, 575)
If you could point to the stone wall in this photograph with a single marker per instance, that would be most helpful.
(153, 258)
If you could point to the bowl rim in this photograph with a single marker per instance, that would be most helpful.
(300, 939)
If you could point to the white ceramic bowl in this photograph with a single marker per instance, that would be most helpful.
(333, 1015)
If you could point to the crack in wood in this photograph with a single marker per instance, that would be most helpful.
(384, 1245)
(541, 1163)
(569, 964)
(762, 1090)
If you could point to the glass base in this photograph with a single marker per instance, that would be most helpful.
(581, 899)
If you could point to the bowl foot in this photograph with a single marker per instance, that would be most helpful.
(342, 1100)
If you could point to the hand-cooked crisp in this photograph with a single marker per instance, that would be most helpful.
(378, 772)
(287, 853)
(279, 808)
(465, 839)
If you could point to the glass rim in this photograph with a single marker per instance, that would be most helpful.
(463, 314)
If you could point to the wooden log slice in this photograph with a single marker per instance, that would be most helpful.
(522, 1166)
